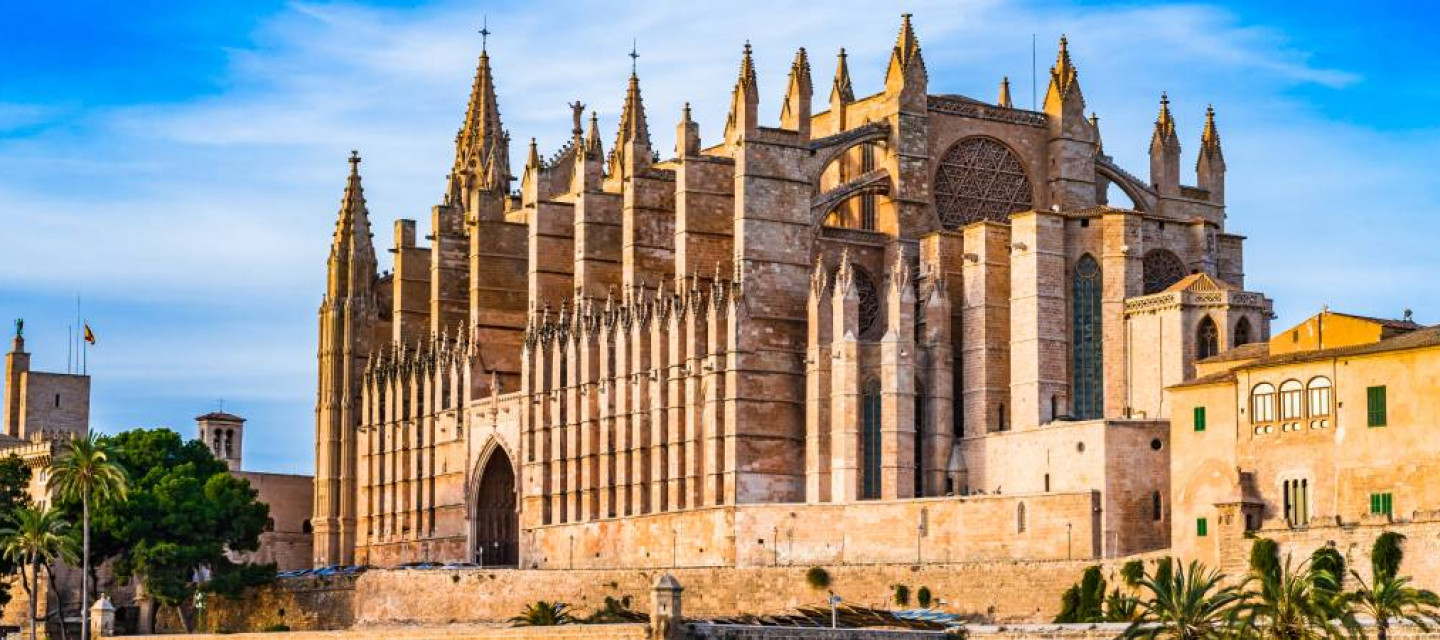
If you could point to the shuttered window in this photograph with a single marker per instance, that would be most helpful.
(1375, 406)
(1381, 503)
(1202, 527)
(1199, 418)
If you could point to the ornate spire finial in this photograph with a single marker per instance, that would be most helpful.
(1164, 122)
(534, 158)
(1004, 99)
(841, 87)
(354, 161)
(1095, 124)
(687, 112)
(634, 54)
(747, 67)
(1210, 138)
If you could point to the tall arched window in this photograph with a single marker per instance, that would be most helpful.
(1242, 332)
(1319, 397)
(1089, 369)
(1262, 403)
(1207, 339)
(1020, 523)
(1161, 269)
(1292, 400)
(922, 413)
(979, 179)
(870, 440)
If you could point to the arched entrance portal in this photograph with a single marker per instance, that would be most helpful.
(497, 524)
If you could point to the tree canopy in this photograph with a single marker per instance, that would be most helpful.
(185, 510)
(14, 496)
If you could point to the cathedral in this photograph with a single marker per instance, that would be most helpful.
(908, 327)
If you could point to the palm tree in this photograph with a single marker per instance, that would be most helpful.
(544, 614)
(1389, 595)
(1188, 604)
(1292, 603)
(86, 473)
(38, 538)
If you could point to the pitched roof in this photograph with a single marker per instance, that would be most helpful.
(220, 416)
(1419, 339)
(1249, 351)
(1200, 282)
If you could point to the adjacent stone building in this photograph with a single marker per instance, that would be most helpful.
(909, 325)
(1325, 434)
(42, 411)
(287, 539)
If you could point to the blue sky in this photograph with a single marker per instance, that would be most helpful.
(179, 164)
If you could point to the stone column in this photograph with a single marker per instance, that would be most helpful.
(666, 618)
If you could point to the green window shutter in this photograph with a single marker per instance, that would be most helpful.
(1375, 406)
(1387, 504)
(1202, 527)
(1199, 418)
(1374, 503)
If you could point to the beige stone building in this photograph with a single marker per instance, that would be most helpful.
(287, 539)
(42, 411)
(909, 325)
(1326, 433)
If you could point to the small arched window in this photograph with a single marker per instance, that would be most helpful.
(1319, 397)
(1242, 332)
(1262, 403)
(1020, 523)
(1207, 339)
(1292, 400)
(1155, 511)
(1003, 425)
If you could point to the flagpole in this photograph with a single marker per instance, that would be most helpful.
(85, 350)
(70, 349)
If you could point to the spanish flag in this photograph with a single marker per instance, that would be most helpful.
(89, 335)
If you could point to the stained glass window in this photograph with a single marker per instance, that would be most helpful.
(870, 317)
(1088, 369)
(870, 444)
(979, 179)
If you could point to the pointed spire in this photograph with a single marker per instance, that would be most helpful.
(841, 88)
(747, 68)
(687, 135)
(1210, 137)
(1004, 99)
(744, 100)
(482, 128)
(631, 152)
(592, 137)
(1064, 82)
(795, 113)
(532, 161)
(1095, 124)
(352, 228)
(907, 46)
(1164, 123)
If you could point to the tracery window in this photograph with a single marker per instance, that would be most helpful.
(1319, 397)
(1262, 403)
(870, 440)
(979, 179)
(1162, 268)
(869, 322)
(1207, 339)
(1088, 370)
(1242, 332)
(1292, 400)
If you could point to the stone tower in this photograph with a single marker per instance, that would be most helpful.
(348, 322)
(224, 433)
(17, 363)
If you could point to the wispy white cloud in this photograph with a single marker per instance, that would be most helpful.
(226, 201)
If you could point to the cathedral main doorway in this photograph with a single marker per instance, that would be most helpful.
(496, 522)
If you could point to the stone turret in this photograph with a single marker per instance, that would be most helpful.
(17, 362)
(1165, 152)
(347, 324)
(1072, 139)
(687, 135)
(482, 147)
(1004, 97)
(905, 77)
(1210, 165)
(632, 152)
(224, 434)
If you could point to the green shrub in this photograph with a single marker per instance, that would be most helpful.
(1133, 572)
(817, 578)
(902, 595)
(1084, 601)
(922, 597)
(1265, 558)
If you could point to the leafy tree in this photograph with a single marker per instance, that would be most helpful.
(86, 473)
(1133, 572)
(37, 538)
(1388, 595)
(184, 511)
(1289, 604)
(1120, 607)
(1085, 601)
(1187, 604)
(1329, 566)
(902, 595)
(544, 614)
(922, 597)
(817, 578)
(14, 496)
(1264, 558)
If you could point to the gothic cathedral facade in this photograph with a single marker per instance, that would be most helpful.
(909, 324)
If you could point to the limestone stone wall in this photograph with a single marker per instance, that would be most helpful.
(302, 605)
(1044, 526)
(470, 632)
